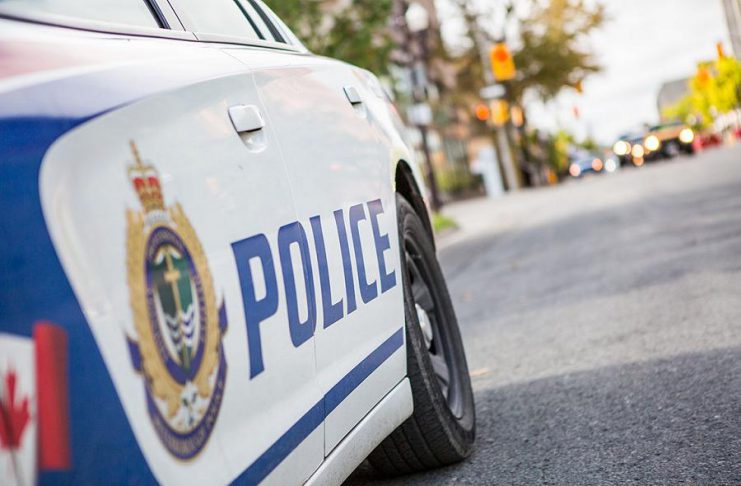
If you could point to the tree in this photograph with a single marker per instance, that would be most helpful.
(558, 151)
(551, 51)
(727, 84)
(554, 51)
(357, 33)
(714, 89)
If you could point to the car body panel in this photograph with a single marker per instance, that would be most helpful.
(70, 104)
(667, 132)
(333, 148)
(385, 417)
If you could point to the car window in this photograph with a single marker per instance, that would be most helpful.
(286, 33)
(221, 17)
(128, 12)
(665, 125)
(257, 20)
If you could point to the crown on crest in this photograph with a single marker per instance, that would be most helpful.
(146, 182)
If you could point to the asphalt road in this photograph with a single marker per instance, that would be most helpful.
(602, 320)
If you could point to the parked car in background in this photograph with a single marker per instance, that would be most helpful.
(629, 149)
(668, 140)
(586, 162)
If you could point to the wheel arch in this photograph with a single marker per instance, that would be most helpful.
(407, 187)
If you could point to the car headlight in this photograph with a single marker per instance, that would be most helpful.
(686, 135)
(638, 151)
(621, 147)
(597, 165)
(610, 165)
(652, 143)
(574, 170)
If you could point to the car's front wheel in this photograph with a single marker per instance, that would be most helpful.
(442, 428)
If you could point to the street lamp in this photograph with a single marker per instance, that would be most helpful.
(418, 23)
(418, 19)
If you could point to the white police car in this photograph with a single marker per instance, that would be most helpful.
(216, 263)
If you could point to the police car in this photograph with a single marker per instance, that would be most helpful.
(216, 262)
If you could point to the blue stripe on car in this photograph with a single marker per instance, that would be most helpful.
(292, 438)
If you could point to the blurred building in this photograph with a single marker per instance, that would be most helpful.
(670, 93)
(733, 18)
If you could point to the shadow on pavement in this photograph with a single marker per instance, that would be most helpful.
(660, 422)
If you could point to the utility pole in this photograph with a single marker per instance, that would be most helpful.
(501, 137)
(516, 134)
(416, 26)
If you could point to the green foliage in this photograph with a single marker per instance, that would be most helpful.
(440, 222)
(589, 144)
(558, 151)
(356, 33)
(553, 150)
(715, 89)
(683, 110)
(456, 181)
(304, 17)
(727, 84)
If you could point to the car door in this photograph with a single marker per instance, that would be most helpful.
(339, 170)
(165, 212)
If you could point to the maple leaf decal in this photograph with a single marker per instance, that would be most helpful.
(14, 417)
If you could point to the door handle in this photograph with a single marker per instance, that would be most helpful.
(246, 118)
(352, 95)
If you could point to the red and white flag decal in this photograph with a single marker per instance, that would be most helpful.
(50, 344)
(17, 411)
(34, 404)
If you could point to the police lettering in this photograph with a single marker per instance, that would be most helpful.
(256, 263)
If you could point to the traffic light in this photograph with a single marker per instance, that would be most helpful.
(703, 77)
(502, 63)
(482, 112)
(499, 112)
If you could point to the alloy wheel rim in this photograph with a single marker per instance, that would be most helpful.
(433, 325)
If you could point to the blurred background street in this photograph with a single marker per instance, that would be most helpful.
(601, 323)
(501, 95)
(583, 164)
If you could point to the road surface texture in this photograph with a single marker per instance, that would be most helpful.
(602, 321)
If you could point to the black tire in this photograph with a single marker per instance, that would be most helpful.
(672, 149)
(442, 429)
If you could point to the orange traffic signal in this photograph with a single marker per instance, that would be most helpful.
(703, 77)
(502, 63)
(499, 112)
(482, 112)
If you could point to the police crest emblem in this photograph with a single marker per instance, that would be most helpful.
(179, 325)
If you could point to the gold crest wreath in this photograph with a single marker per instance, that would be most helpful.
(162, 385)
